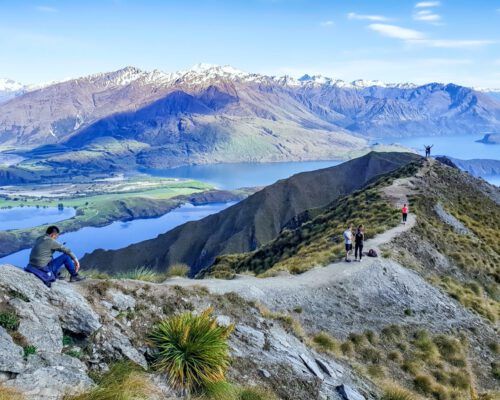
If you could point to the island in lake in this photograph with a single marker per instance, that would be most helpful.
(490, 138)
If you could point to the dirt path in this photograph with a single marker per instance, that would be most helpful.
(258, 288)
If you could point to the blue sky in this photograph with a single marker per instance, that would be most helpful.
(394, 41)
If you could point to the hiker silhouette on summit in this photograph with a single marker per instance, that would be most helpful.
(428, 150)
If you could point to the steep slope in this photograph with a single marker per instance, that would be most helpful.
(252, 222)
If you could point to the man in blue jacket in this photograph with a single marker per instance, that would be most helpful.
(44, 266)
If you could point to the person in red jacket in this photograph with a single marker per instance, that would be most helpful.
(404, 211)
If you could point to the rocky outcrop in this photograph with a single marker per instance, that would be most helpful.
(64, 333)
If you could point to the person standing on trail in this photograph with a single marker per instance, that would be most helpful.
(44, 266)
(404, 211)
(348, 242)
(428, 150)
(359, 238)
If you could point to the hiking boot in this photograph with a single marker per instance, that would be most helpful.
(61, 277)
(346, 260)
(77, 278)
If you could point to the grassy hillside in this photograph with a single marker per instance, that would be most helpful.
(318, 240)
(471, 273)
(251, 223)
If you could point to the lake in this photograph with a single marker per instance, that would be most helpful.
(121, 234)
(28, 217)
(464, 147)
(237, 175)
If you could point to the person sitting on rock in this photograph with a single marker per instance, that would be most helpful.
(44, 266)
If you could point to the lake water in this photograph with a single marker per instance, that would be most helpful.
(237, 175)
(464, 147)
(28, 217)
(121, 234)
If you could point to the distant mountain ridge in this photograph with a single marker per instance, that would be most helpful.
(220, 114)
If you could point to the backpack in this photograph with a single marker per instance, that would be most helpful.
(372, 253)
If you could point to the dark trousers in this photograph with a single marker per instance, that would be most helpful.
(404, 217)
(358, 247)
(62, 261)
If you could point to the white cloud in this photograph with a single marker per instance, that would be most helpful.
(452, 44)
(47, 9)
(424, 4)
(326, 24)
(427, 16)
(365, 17)
(397, 32)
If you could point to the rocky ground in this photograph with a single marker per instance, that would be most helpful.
(74, 330)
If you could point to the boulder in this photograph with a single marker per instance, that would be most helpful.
(121, 301)
(11, 355)
(312, 366)
(39, 324)
(349, 393)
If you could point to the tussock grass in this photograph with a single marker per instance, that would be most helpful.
(287, 321)
(142, 274)
(124, 381)
(256, 393)
(395, 392)
(325, 343)
(192, 349)
(178, 269)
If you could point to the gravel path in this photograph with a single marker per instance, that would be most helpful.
(259, 288)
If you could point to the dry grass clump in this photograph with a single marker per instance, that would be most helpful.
(324, 342)
(7, 393)
(178, 269)
(287, 321)
(395, 392)
(124, 381)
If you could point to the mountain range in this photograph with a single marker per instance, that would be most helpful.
(213, 114)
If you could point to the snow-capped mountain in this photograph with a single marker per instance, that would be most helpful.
(10, 89)
(208, 107)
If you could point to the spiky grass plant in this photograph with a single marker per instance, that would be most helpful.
(142, 274)
(192, 349)
(124, 381)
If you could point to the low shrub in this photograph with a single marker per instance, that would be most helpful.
(9, 320)
(29, 350)
(191, 349)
